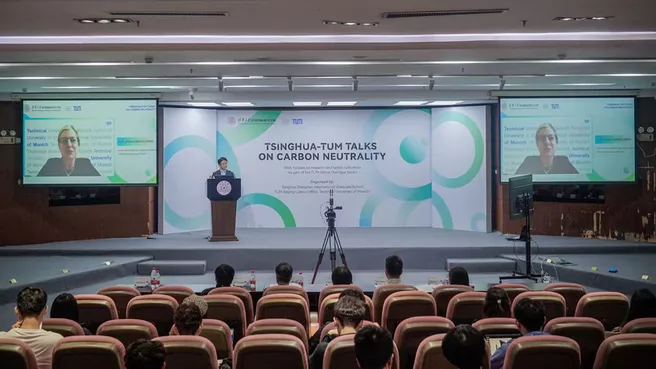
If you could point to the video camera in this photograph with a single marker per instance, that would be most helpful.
(330, 212)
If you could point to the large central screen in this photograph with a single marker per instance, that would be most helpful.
(89, 142)
(568, 139)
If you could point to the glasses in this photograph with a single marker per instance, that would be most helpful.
(68, 140)
(550, 138)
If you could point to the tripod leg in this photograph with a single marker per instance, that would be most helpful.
(320, 259)
(339, 248)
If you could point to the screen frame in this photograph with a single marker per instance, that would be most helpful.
(538, 183)
(47, 185)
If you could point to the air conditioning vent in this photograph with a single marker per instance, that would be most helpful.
(442, 13)
(169, 14)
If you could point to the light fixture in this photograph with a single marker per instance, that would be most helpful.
(119, 20)
(369, 24)
(236, 104)
(341, 103)
(444, 103)
(103, 21)
(203, 104)
(307, 103)
(404, 75)
(410, 103)
(86, 21)
(597, 18)
(349, 24)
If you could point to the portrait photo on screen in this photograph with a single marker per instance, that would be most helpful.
(89, 142)
(568, 139)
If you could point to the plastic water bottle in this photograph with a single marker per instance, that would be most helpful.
(253, 282)
(158, 278)
(153, 278)
(300, 278)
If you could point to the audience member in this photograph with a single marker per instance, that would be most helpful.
(497, 303)
(374, 348)
(464, 347)
(342, 275)
(393, 269)
(530, 318)
(459, 276)
(31, 307)
(313, 342)
(284, 273)
(65, 307)
(349, 313)
(353, 293)
(145, 354)
(198, 301)
(188, 320)
(223, 276)
(643, 305)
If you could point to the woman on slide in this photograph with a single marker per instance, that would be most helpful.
(68, 164)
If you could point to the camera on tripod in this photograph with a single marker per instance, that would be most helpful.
(331, 240)
(330, 212)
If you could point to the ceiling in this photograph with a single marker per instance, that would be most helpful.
(262, 49)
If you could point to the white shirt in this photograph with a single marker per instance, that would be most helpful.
(40, 341)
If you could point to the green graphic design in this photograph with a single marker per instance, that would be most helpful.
(413, 149)
(271, 202)
(252, 128)
(443, 210)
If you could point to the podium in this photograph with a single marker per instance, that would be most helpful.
(223, 193)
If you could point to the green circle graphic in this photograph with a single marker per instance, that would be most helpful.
(269, 201)
(412, 150)
(479, 149)
(443, 210)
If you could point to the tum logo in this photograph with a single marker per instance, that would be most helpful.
(297, 120)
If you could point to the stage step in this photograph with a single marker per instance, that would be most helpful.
(482, 265)
(173, 267)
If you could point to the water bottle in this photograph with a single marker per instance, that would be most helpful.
(153, 278)
(158, 278)
(253, 283)
(300, 278)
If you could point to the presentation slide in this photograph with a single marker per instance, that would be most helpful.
(89, 142)
(568, 139)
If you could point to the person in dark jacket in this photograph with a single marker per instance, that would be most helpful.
(69, 164)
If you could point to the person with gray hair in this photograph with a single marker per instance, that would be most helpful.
(546, 140)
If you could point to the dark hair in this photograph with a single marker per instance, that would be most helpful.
(223, 275)
(221, 159)
(545, 126)
(65, 306)
(284, 273)
(349, 311)
(459, 276)
(394, 266)
(342, 275)
(464, 347)
(31, 301)
(643, 305)
(373, 347)
(145, 354)
(352, 292)
(497, 303)
(530, 314)
(187, 319)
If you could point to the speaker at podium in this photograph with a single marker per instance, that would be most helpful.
(223, 192)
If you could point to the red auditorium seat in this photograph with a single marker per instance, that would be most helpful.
(406, 304)
(466, 308)
(187, 352)
(229, 309)
(500, 326)
(610, 308)
(340, 354)
(512, 289)
(572, 293)
(382, 292)
(554, 303)
(16, 354)
(95, 310)
(412, 331)
(157, 309)
(288, 289)
(430, 355)
(327, 308)
(128, 330)
(443, 294)
(643, 325)
(336, 289)
(243, 294)
(277, 350)
(121, 296)
(630, 351)
(542, 352)
(97, 352)
(330, 326)
(179, 293)
(65, 327)
(587, 332)
(219, 334)
(279, 326)
(286, 306)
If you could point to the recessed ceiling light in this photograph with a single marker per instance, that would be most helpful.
(350, 24)
(342, 103)
(120, 20)
(86, 21)
(307, 103)
(203, 104)
(443, 103)
(566, 19)
(369, 24)
(235, 104)
(410, 103)
(103, 21)
(255, 77)
(404, 75)
(599, 18)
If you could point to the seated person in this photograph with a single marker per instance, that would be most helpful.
(187, 320)
(284, 272)
(313, 342)
(530, 318)
(459, 276)
(497, 303)
(342, 275)
(393, 269)
(223, 276)
(643, 305)
(31, 308)
(65, 307)
(145, 354)
(198, 301)
(464, 347)
(374, 348)
(349, 313)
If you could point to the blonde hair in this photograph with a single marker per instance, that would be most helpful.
(69, 127)
(545, 126)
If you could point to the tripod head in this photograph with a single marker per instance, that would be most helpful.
(330, 213)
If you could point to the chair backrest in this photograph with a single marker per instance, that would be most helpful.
(330, 326)
(327, 308)
(643, 325)
(95, 310)
(542, 352)
(340, 354)
(121, 296)
(219, 334)
(610, 308)
(512, 289)
(336, 289)
(587, 332)
(229, 309)
(275, 350)
(65, 327)
(631, 350)
(443, 294)
(430, 355)
(400, 306)
(279, 326)
(284, 305)
(157, 309)
(498, 326)
(97, 352)
(184, 352)
(179, 293)
(466, 308)
(16, 354)
(382, 292)
(572, 293)
(412, 331)
(243, 294)
(554, 303)
(290, 288)
(128, 330)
